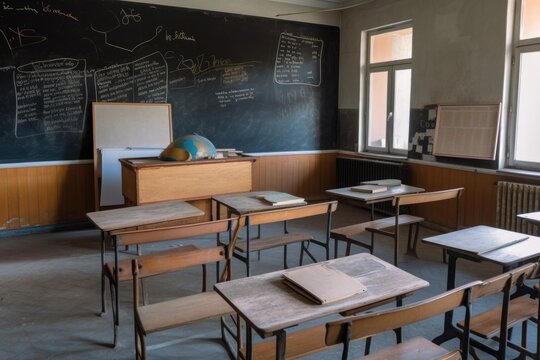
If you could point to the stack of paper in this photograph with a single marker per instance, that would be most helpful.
(280, 199)
(322, 283)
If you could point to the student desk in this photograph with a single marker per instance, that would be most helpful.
(109, 221)
(373, 198)
(246, 203)
(482, 243)
(533, 218)
(270, 307)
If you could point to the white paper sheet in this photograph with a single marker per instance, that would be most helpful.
(111, 171)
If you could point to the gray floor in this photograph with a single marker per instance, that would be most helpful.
(50, 297)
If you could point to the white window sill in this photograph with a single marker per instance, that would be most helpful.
(522, 173)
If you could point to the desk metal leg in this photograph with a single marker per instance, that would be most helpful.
(248, 249)
(281, 338)
(249, 342)
(218, 237)
(450, 331)
(116, 317)
(102, 272)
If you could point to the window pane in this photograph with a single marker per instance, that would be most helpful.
(530, 19)
(402, 105)
(527, 121)
(390, 46)
(378, 94)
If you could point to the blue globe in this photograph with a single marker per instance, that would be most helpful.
(189, 147)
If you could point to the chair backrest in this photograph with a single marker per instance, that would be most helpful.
(164, 262)
(175, 232)
(504, 282)
(369, 324)
(420, 198)
(284, 214)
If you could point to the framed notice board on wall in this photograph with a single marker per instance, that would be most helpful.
(467, 131)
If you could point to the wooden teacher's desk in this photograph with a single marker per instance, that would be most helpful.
(373, 198)
(150, 180)
(482, 243)
(269, 307)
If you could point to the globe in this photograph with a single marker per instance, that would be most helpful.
(189, 147)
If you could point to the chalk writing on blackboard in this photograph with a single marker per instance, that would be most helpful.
(51, 97)
(298, 60)
(142, 81)
(230, 97)
(20, 37)
(121, 42)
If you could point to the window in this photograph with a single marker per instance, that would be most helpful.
(388, 95)
(524, 152)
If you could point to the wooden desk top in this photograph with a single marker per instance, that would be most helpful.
(245, 203)
(139, 163)
(488, 243)
(268, 305)
(368, 198)
(533, 218)
(116, 219)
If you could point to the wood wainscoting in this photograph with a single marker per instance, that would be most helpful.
(478, 204)
(60, 194)
(305, 175)
(45, 195)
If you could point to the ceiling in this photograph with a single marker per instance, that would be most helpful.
(322, 4)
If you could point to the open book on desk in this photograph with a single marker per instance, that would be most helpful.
(322, 284)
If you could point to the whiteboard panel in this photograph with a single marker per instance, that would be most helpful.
(121, 125)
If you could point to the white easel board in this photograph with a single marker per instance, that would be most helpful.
(467, 131)
(128, 125)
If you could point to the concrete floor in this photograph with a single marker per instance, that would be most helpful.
(50, 296)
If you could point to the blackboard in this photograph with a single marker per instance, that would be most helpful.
(244, 82)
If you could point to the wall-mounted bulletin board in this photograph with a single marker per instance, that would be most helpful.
(244, 82)
(467, 131)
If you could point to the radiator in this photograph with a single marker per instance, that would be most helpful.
(514, 199)
(351, 172)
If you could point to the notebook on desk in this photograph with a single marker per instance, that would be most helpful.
(322, 284)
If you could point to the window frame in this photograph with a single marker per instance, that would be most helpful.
(391, 67)
(519, 47)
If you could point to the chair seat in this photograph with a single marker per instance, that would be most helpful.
(272, 241)
(487, 324)
(415, 349)
(181, 311)
(356, 229)
(299, 344)
(124, 266)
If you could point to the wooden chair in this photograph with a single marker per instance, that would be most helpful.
(369, 324)
(120, 270)
(185, 310)
(389, 226)
(326, 336)
(245, 247)
(496, 323)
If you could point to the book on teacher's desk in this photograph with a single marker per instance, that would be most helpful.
(370, 189)
(279, 199)
(322, 283)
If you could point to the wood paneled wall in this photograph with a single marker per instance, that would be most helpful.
(478, 204)
(45, 195)
(302, 175)
(49, 195)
